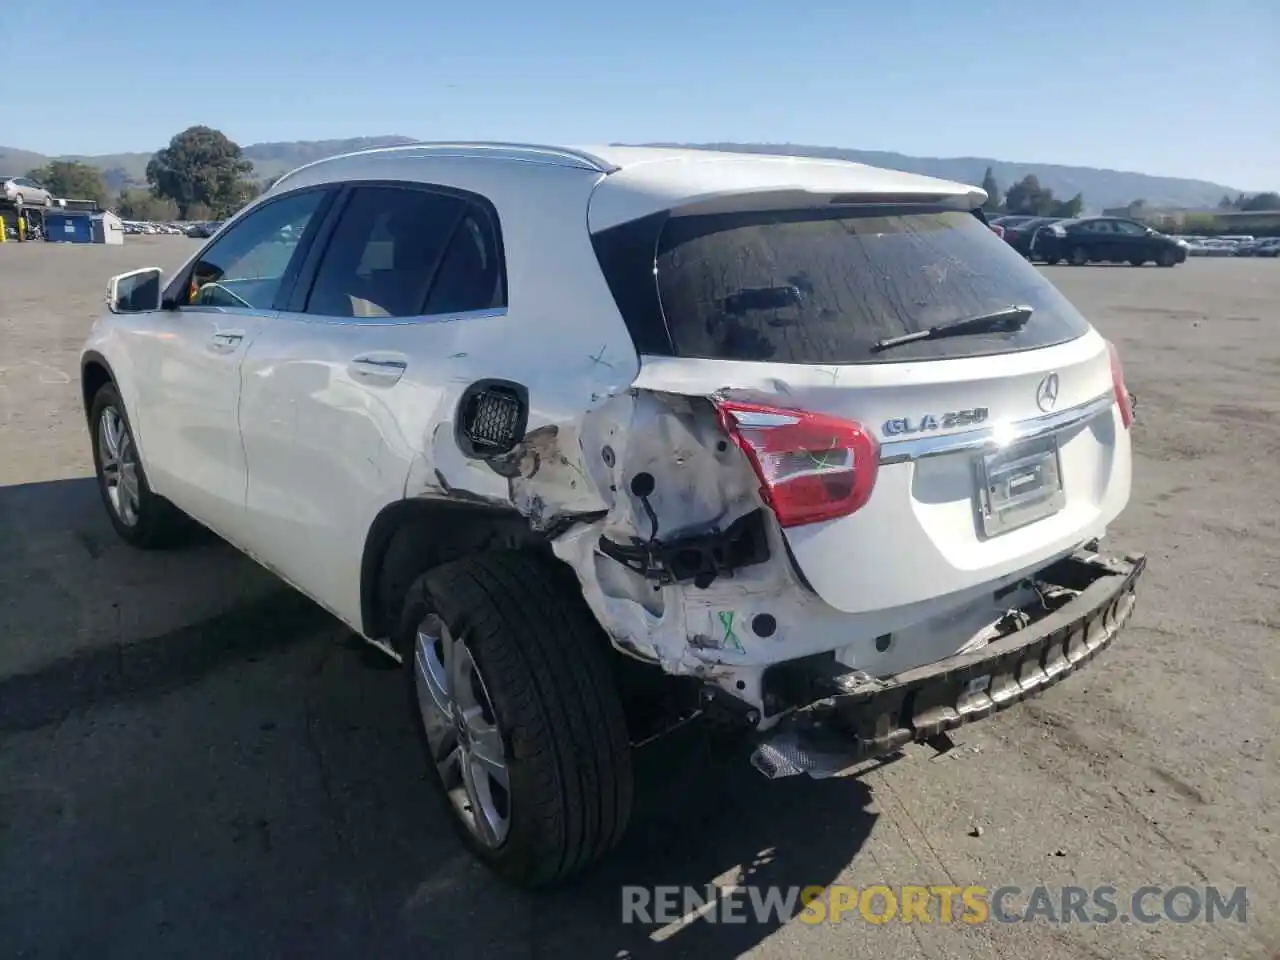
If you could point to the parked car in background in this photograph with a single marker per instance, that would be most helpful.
(1012, 219)
(1210, 247)
(25, 192)
(1105, 240)
(1020, 234)
(1262, 247)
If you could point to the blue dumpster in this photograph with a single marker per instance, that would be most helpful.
(68, 228)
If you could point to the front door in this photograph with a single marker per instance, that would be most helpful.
(1137, 242)
(343, 390)
(188, 358)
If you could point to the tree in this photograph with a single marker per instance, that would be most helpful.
(1226, 203)
(1200, 223)
(245, 191)
(200, 166)
(71, 179)
(1028, 197)
(1262, 201)
(1065, 208)
(144, 205)
(993, 191)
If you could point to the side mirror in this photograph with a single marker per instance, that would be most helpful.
(135, 292)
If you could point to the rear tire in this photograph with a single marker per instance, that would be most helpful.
(561, 795)
(141, 517)
(1053, 261)
(1137, 262)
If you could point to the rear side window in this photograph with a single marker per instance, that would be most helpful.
(823, 286)
(405, 252)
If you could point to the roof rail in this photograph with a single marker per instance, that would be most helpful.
(499, 149)
(494, 150)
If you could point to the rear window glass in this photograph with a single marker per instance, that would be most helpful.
(824, 286)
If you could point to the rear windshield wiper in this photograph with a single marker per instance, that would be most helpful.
(1010, 318)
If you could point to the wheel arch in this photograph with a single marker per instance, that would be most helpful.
(95, 373)
(410, 536)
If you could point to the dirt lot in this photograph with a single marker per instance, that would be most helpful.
(195, 761)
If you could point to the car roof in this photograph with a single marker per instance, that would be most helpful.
(644, 180)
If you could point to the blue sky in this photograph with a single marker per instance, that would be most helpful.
(1177, 87)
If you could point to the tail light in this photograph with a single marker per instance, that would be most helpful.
(997, 229)
(811, 467)
(1123, 398)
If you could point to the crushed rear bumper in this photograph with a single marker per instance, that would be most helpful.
(856, 717)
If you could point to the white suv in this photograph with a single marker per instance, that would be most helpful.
(802, 438)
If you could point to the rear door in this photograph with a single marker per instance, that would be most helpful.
(786, 308)
(1099, 238)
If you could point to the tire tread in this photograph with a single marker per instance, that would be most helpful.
(540, 646)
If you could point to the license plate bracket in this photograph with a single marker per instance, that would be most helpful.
(1018, 485)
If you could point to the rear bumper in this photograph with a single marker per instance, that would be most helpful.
(858, 718)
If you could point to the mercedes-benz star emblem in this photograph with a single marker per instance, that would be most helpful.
(1047, 393)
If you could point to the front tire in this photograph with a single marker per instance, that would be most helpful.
(523, 727)
(142, 518)
(1137, 262)
(1078, 256)
(1167, 258)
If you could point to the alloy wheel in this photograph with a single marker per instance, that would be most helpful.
(119, 459)
(462, 731)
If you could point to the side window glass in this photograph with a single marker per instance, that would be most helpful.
(1132, 229)
(384, 253)
(470, 276)
(245, 266)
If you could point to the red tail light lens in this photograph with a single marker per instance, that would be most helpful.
(1123, 400)
(996, 229)
(811, 467)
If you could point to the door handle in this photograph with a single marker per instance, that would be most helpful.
(226, 341)
(378, 369)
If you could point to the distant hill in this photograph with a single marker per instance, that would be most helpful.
(1101, 188)
(269, 159)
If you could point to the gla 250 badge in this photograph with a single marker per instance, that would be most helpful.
(905, 426)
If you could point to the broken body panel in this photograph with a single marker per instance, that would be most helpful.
(666, 524)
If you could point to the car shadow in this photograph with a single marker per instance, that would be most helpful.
(231, 777)
(709, 841)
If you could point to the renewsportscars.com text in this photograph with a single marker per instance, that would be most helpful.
(936, 903)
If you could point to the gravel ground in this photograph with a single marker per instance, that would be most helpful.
(196, 761)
